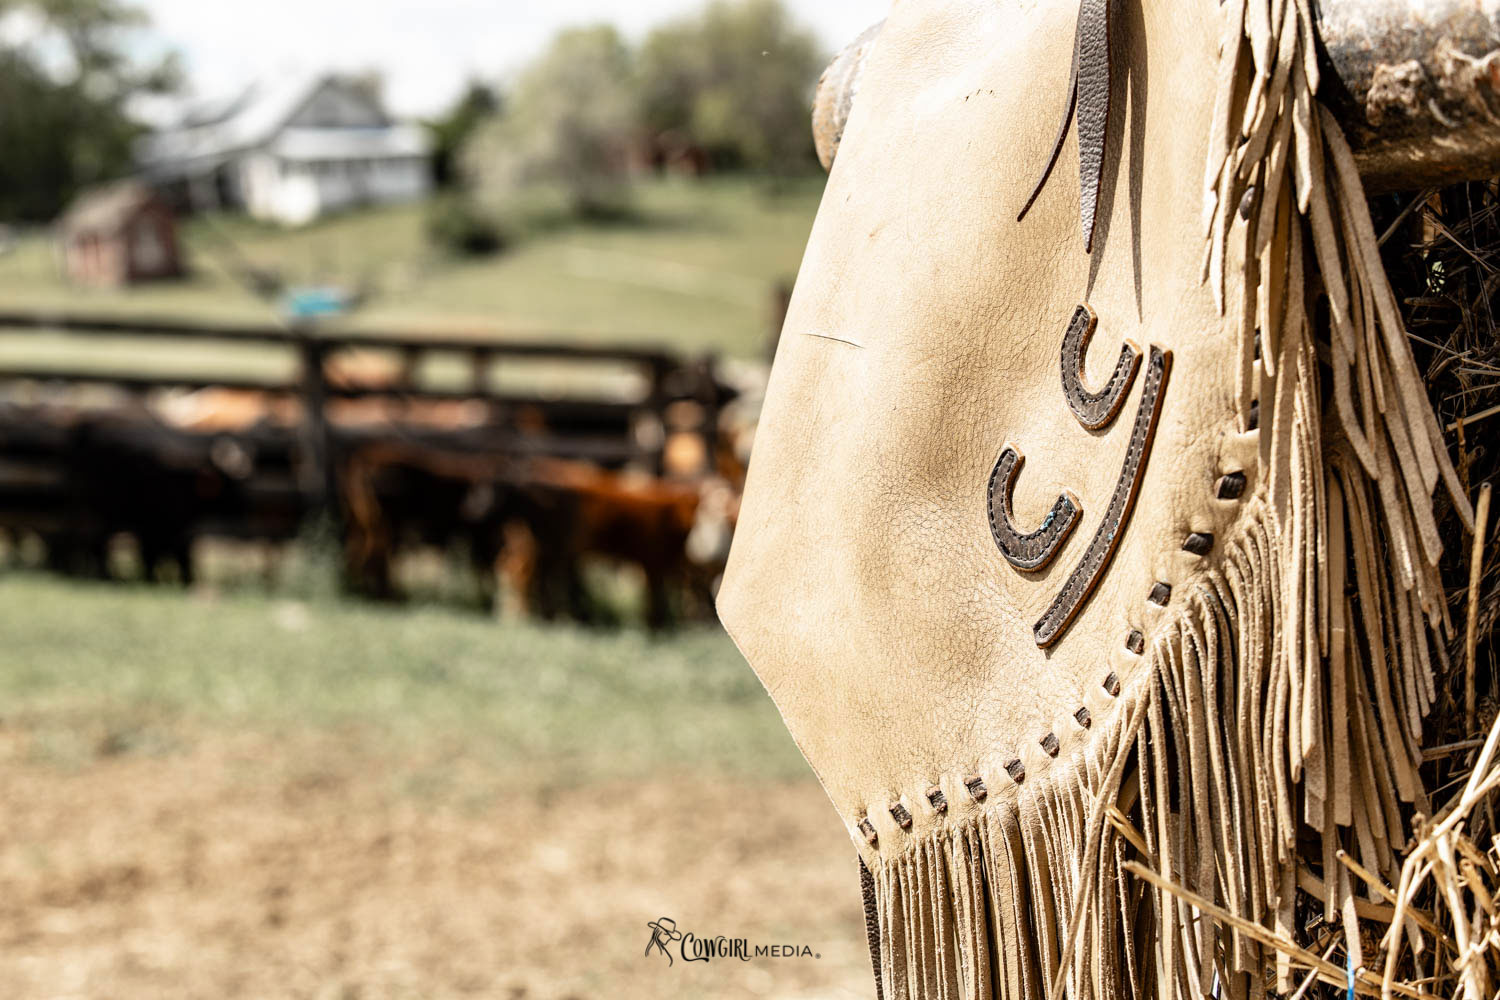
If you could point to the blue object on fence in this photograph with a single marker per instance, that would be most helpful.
(305, 303)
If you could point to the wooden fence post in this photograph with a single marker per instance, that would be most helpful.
(708, 396)
(479, 370)
(661, 370)
(319, 471)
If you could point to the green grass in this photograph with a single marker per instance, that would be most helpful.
(100, 669)
(693, 270)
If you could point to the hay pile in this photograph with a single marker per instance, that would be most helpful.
(1442, 256)
(1435, 934)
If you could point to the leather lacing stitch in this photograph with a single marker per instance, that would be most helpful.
(1229, 487)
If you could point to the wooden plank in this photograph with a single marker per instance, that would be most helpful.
(143, 382)
(114, 326)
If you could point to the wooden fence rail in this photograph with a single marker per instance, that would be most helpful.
(602, 427)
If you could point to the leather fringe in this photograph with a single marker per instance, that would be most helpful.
(1350, 491)
(1197, 768)
(1281, 718)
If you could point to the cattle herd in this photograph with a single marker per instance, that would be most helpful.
(642, 470)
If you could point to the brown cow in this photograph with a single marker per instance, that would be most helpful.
(628, 517)
(534, 522)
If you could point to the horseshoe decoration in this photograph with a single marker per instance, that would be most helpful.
(1096, 558)
(1035, 550)
(1094, 409)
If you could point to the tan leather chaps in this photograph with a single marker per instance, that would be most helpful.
(1091, 521)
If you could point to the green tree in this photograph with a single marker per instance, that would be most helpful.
(64, 94)
(569, 121)
(736, 79)
(452, 131)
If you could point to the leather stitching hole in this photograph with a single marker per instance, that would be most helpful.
(1231, 486)
(1199, 543)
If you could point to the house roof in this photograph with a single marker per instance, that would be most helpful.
(106, 209)
(247, 122)
(263, 118)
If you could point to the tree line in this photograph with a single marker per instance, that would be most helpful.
(728, 87)
(66, 83)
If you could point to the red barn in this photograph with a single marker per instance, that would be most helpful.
(119, 234)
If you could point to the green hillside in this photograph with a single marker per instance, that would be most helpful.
(694, 268)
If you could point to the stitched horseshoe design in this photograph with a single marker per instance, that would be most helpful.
(1094, 409)
(1085, 576)
(1035, 550)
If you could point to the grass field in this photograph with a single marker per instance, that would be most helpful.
(693, 269)
(533, 702)
(247, 797)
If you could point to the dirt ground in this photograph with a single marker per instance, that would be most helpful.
(272, 866)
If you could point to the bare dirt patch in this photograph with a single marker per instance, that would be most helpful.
(257, 866)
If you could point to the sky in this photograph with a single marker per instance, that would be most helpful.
(427, 49)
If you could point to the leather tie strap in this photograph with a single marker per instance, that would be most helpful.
(1088, 101)
(872, 924)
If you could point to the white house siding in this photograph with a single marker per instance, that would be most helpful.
(317, 149)
(260, 181)
(298, 191)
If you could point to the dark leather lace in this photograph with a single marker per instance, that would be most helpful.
(1088, 101)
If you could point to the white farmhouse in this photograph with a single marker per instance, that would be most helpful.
(290, 152)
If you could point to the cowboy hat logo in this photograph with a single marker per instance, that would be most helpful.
(663, 932)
